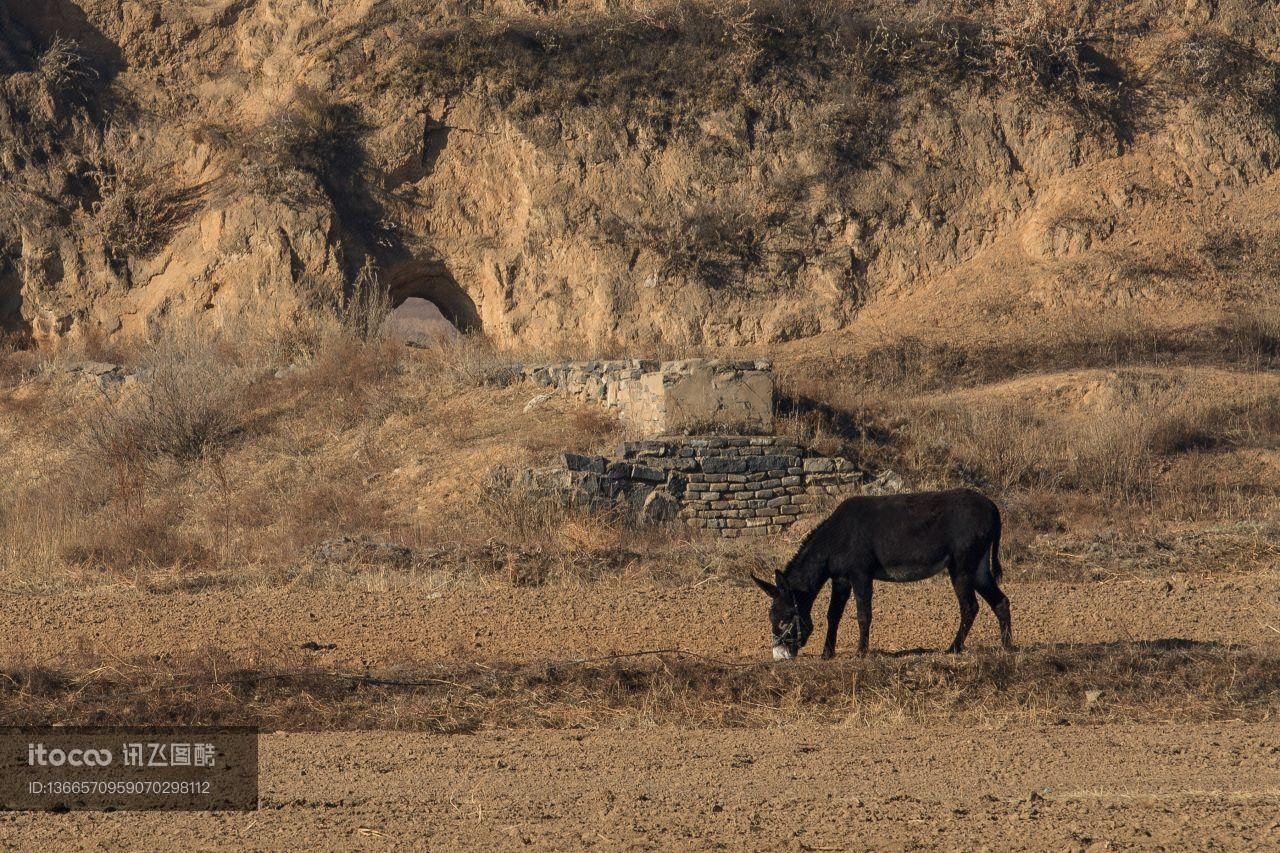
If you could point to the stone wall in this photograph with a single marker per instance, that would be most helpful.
(669, 397)
(728, 485)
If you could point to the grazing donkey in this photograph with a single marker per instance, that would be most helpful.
(890, 538)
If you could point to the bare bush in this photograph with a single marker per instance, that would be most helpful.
(139, 204)
(366, 308)
(188, 405)
(468, 361)
(1032, 47)
(1214, 71)
(308, 141)
(62, 65)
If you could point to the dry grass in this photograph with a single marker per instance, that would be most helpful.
(139, 203)
(1245, 338)
(233, 452)
(1111, 426)
(1136, 681)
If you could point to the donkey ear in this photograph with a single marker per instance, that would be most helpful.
(770, 589)
(778, 580)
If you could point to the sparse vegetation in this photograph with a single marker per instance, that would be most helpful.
(135, 213)
(1145, 682)
(1216, 71)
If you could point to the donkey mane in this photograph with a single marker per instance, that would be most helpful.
(806, 549)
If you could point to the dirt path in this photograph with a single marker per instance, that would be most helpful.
(810, 788)
(499, 622)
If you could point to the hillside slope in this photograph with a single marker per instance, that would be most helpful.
(689, 173)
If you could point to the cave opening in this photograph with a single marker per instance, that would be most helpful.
(427, 302)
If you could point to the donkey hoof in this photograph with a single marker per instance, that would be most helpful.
(953, 649)
(828, 654)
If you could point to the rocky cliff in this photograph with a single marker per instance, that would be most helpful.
(629, 174)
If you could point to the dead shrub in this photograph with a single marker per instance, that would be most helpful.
(63, 66)
(139, 203)
(1207, 425)
(1035, 47)
(468, 361)
(129, 544)
(1216, 71)
(1253, 336)
(308, 142)
(188, 404)
(17, 357)
(367, 306)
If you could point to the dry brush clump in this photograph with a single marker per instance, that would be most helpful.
(154, 472)
(1217, 72)
(139, 203)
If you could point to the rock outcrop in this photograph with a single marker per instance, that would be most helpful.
(627, 177)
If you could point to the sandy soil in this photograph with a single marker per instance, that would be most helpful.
(499, 622)
(808, 788)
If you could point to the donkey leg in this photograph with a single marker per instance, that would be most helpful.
(840, 589)
(999, 602)
(862, 598)
(962, 582)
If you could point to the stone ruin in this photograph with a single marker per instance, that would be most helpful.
(729, 485)
(671, 397)
(709, 461)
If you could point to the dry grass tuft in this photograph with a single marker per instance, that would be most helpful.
(1136, 681)
(140, 204)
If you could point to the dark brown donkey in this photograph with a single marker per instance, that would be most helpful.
(891, 538)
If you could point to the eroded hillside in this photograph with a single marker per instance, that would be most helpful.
(687, 173)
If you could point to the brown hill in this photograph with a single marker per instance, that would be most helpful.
(727, 173)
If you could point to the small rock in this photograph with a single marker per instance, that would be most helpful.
(536, 402)
(1092, 696)
(94, 368)
(659, 507)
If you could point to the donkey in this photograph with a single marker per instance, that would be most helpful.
(890, 538)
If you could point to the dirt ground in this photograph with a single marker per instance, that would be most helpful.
(502, 623)
(886, 783)
(808, 788)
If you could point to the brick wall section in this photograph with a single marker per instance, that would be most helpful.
(726, 485)
(667, 397)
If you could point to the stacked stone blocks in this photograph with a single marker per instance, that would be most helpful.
(652, 397)
(728, 485)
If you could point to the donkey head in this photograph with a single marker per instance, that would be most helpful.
(788, 620)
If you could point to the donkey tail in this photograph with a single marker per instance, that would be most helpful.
(996, 571)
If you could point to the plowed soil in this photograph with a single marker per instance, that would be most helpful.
(886, 783)
(810, 788)
(499, 622)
